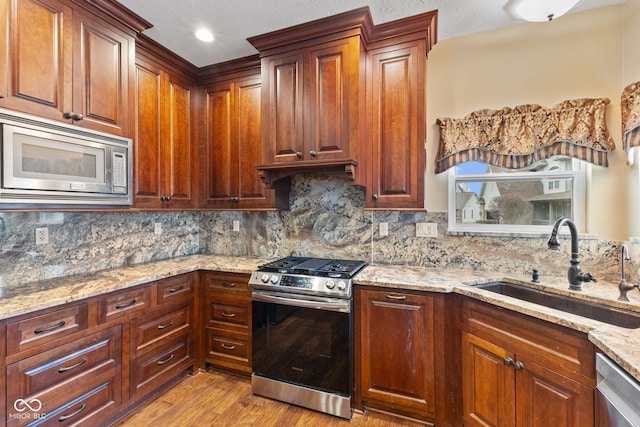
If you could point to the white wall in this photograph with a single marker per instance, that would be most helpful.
(575, 56)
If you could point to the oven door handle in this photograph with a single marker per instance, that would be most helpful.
(342, 306)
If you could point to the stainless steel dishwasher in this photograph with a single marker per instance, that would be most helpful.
(620, 394)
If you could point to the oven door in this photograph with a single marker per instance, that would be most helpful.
(303, 340)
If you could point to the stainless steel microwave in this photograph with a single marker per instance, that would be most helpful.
(47, 162)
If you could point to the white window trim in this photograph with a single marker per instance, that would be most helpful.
(581, 172)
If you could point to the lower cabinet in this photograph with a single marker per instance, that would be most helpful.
(519, 371)
(227, 326)
(395, 352)
(76, 383)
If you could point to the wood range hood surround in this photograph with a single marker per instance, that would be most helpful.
(316, 94)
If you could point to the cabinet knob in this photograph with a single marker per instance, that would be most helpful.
(235, 199)
(375, 197)
(519, 366)
(508, 361)
(73, 116)
(165, 198)
(313, 153)
(299, 153)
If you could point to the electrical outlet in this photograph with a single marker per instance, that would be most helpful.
(236, 225)
(42, 235)
(157, 228)
(384, 229)
(426, 229)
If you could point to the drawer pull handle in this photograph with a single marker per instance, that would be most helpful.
(50, 328)
(126, 304)
(167, 360)
(176, 289)
(228, 347)
(396, 297)
(228, 285)
(228, 314)
(168, 325)
(68, 368)
(66, 417)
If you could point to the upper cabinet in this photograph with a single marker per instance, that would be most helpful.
(342, 96)
(231, 116)
(64, 62)
(166, 138)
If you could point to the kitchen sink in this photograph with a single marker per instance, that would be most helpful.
(592, 310)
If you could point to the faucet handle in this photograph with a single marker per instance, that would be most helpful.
(587, 277)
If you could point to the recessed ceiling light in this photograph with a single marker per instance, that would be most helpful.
(204, 35)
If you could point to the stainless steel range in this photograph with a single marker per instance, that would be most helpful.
(303, 332)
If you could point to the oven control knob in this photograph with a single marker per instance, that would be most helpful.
(342, 285)
(264, 278)
(274, 279)
(330, 284)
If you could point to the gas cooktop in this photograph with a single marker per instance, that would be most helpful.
(311, 276)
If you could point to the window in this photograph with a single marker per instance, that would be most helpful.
(489, 199)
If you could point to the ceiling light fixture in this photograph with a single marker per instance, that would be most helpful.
(539, 10)
(204, 35)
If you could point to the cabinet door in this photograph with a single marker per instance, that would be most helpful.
(397, 126)
(147, 161)
(333, 90)
(179, 144)
(488, 394)
(397, 354)
(220, 181)
(283, 110)
(546, 398)
(37, 73)
(101, 60)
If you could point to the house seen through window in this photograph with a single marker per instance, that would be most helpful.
(487, 198)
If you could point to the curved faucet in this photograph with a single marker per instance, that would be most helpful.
(575, 274)
(623, 286)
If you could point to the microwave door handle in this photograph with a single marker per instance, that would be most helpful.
(340, 306)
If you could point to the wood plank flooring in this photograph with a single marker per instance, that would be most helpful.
(220, 399)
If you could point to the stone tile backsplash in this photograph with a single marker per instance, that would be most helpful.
(326, 219)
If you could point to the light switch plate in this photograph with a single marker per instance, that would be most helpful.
(157, 228)
(384, 229)
(236, 225)
(426, 229)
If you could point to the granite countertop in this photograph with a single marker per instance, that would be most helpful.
(620, 344)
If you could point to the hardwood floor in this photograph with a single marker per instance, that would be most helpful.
(220, 399)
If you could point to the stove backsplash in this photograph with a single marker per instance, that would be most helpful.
(327, 219)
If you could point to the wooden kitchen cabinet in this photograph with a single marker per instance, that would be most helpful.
(63, 60)
(395, 352)
(76, 383)
(312, 96)
(397, 125)
(166, 137)
(228, 320)
(518, 371)
(232, 120)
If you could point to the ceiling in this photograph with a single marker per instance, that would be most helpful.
(232, 22)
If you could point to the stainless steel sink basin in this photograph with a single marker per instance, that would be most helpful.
(592, 310)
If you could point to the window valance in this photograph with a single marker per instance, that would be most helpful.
(630, 105)
(517, 137)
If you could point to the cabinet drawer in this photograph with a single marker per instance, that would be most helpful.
(90, 403)
(157, 367)
(175, 289)
(228, 313)
(148, 331)
(568, 351)
(45, 328)
(92, 355)
(228, 349)
(123, 303)
(230, 284)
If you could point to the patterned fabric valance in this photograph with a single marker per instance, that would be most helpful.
(517, 137)
(630, 106)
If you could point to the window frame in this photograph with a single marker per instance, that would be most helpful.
(580, 172)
